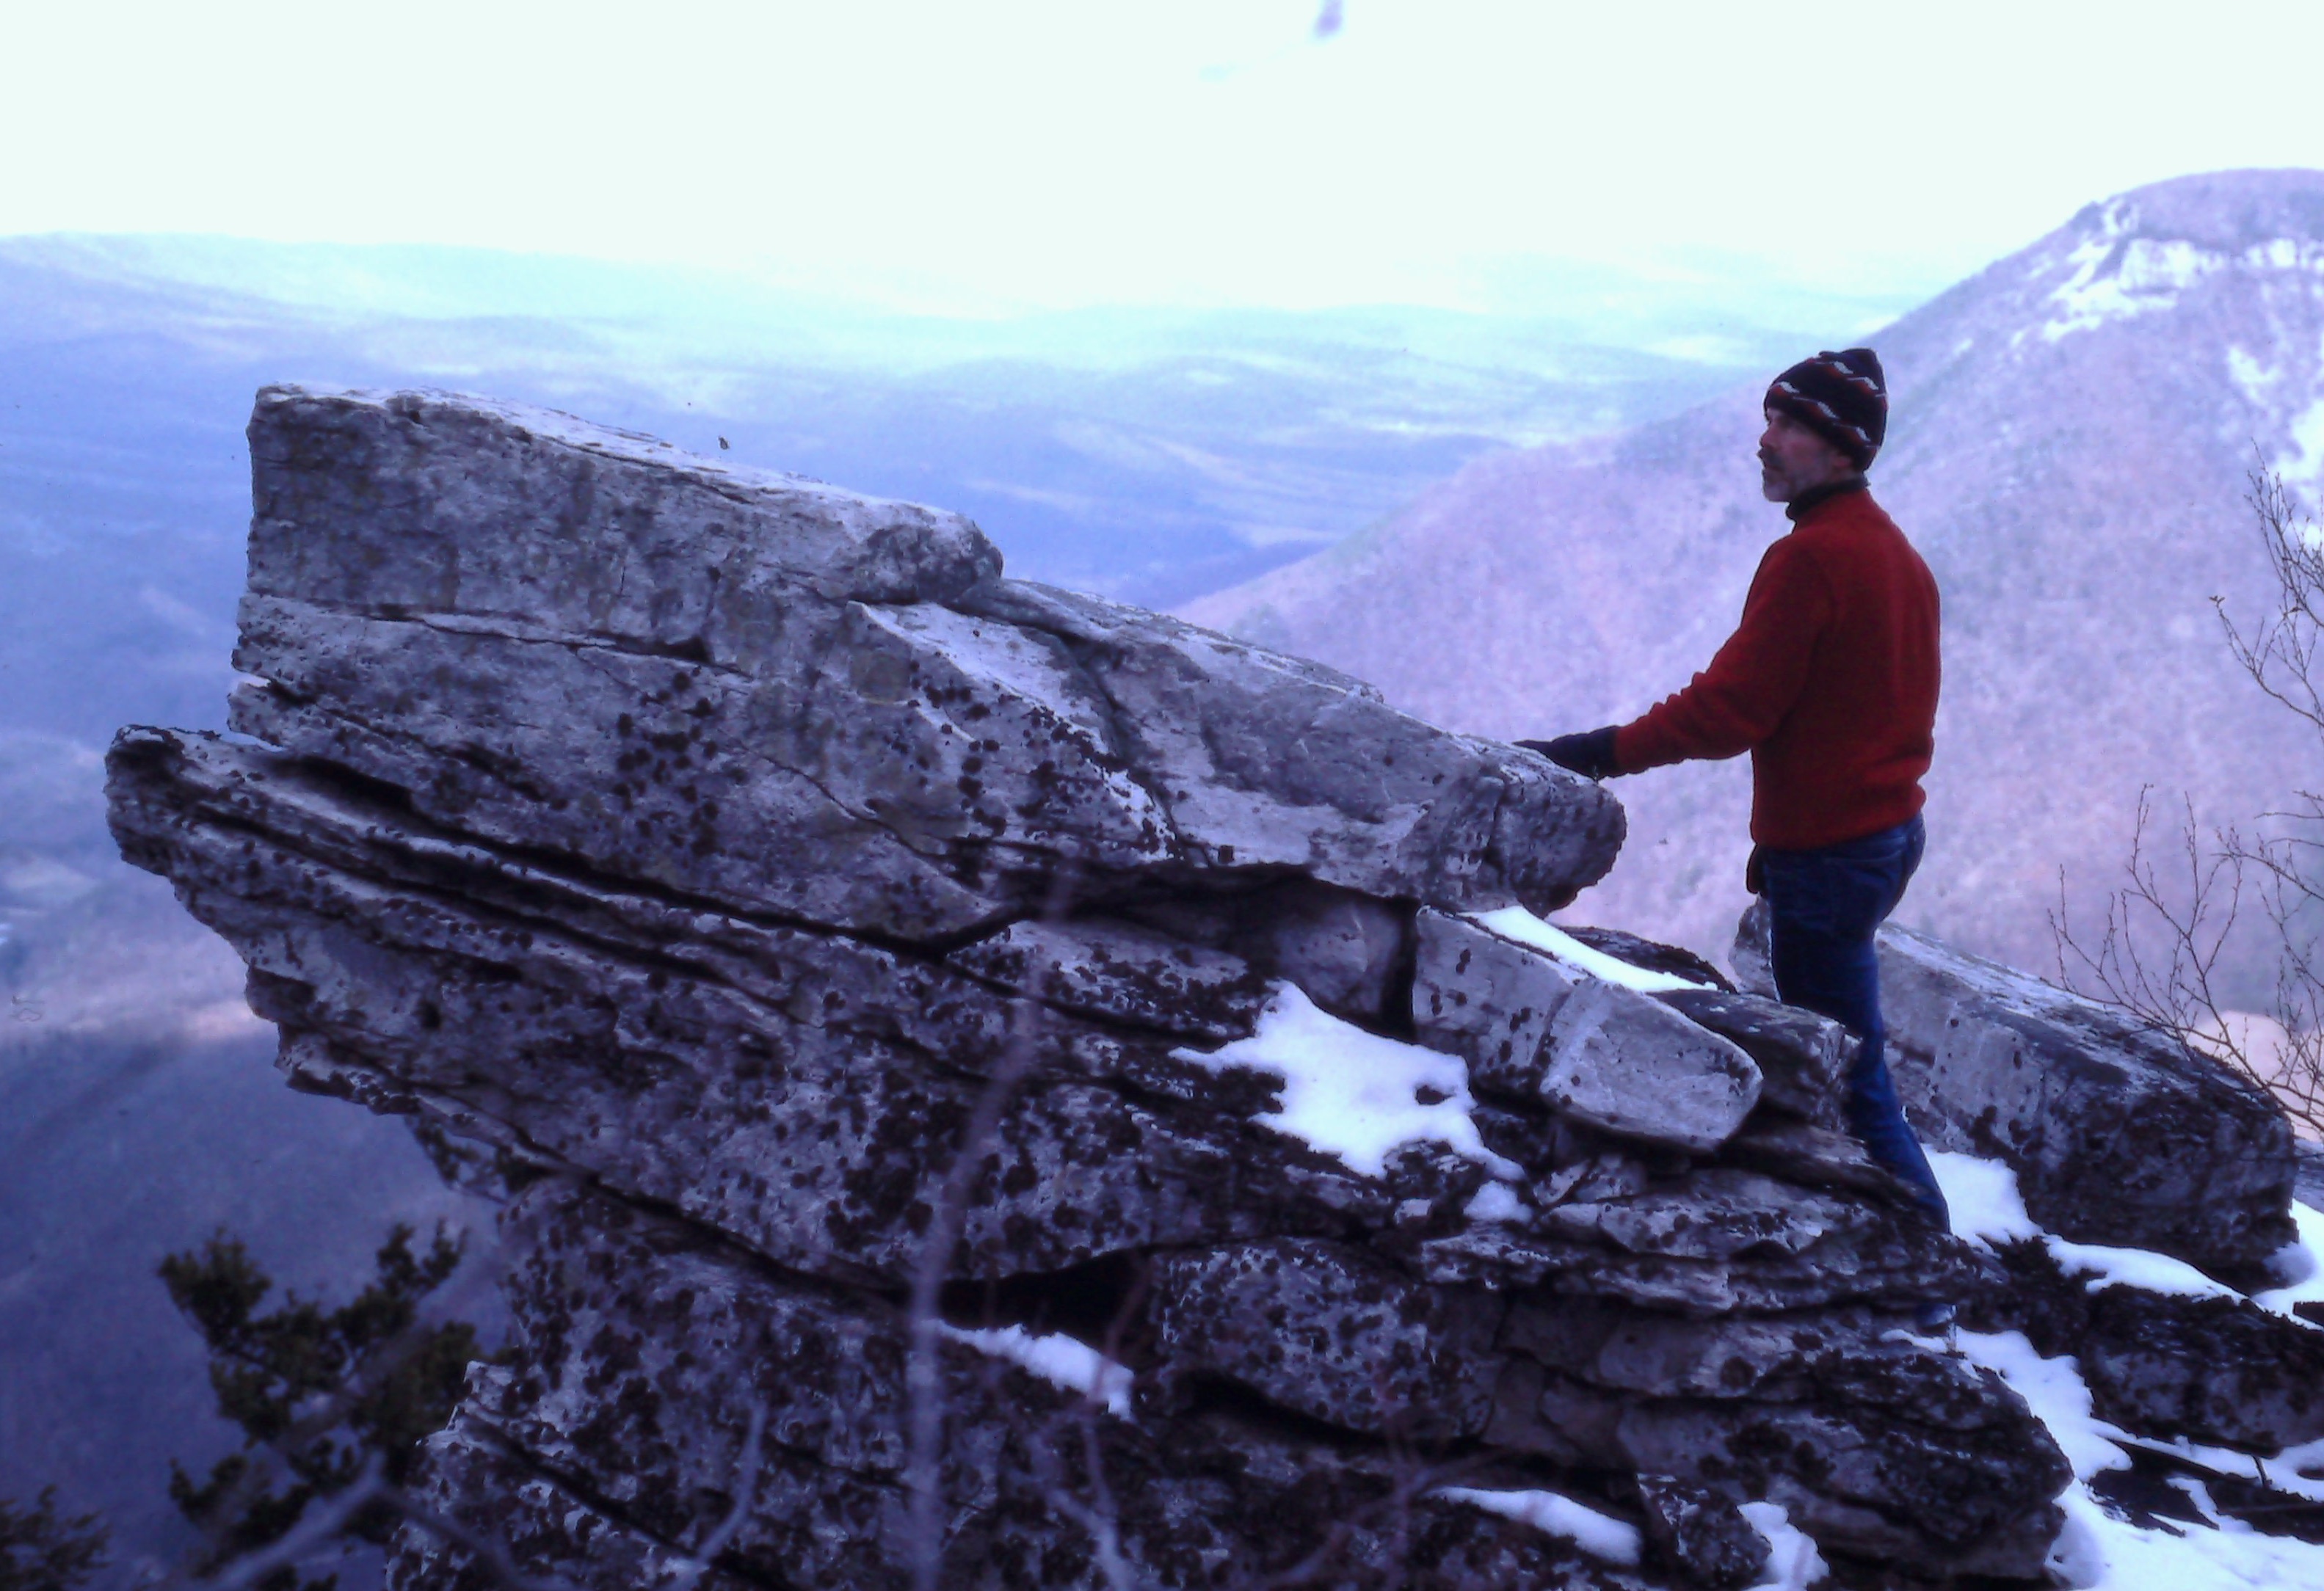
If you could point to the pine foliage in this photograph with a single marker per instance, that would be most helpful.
(326, 1398)
(41, 1551)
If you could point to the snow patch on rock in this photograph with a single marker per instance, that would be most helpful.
(1601, 1536)
(1497, 1202)
(1987, 1210)
(2056, 1393)
(1515, 922)
(1354, 1095)
(1793, 1564)
(2303, 1262)
(1066, 1361)
(2098, 1551)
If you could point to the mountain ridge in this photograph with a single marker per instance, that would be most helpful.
(2070, 440)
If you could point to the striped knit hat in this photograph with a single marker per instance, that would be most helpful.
(1842, 397)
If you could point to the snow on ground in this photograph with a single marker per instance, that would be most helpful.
(2145, 276)
(2307, 431)
(1053, 1357)
(1518, 924)
(2110, 279)
(2098, 1552)
(1355, 1095)
(2254, 378)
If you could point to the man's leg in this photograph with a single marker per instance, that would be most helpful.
(1823, 908)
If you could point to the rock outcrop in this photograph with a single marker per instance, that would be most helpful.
(795, 917)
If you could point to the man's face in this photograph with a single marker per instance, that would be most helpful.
(1793, 459)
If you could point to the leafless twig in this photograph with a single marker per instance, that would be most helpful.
(924, 1381)
(2158, 953)
(745, 1487)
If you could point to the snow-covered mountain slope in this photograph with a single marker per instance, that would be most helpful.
(2071, 434)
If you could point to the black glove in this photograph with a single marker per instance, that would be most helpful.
(1590, 755)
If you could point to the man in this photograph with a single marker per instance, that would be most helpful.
(1830, 683)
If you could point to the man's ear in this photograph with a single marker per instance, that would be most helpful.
(1839, 461)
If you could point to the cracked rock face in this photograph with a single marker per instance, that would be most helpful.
(786, 908)
(1591, 1050)
(610, 1455)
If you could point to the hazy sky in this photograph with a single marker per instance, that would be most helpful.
(980, 154)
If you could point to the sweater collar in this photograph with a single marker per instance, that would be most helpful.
(1814, 496)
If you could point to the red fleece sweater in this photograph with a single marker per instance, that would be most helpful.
(1830, 682)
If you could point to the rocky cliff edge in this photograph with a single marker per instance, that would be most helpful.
(993, 1082)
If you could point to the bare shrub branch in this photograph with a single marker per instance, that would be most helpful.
(2283, 650)
(924, 1380)
(744, 1485)
(2157, 953)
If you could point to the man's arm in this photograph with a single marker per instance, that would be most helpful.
(1751, 684)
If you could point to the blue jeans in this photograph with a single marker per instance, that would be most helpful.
(1823, 907)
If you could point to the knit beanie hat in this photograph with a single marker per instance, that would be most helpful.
(1841, 397)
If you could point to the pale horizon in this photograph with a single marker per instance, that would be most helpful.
(1041, 157)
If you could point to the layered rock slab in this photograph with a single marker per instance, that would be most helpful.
(796, 1090)
(793, 701)
(1593, 1051)
(618, 1446)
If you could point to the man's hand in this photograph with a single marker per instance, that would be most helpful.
(1590, 755)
